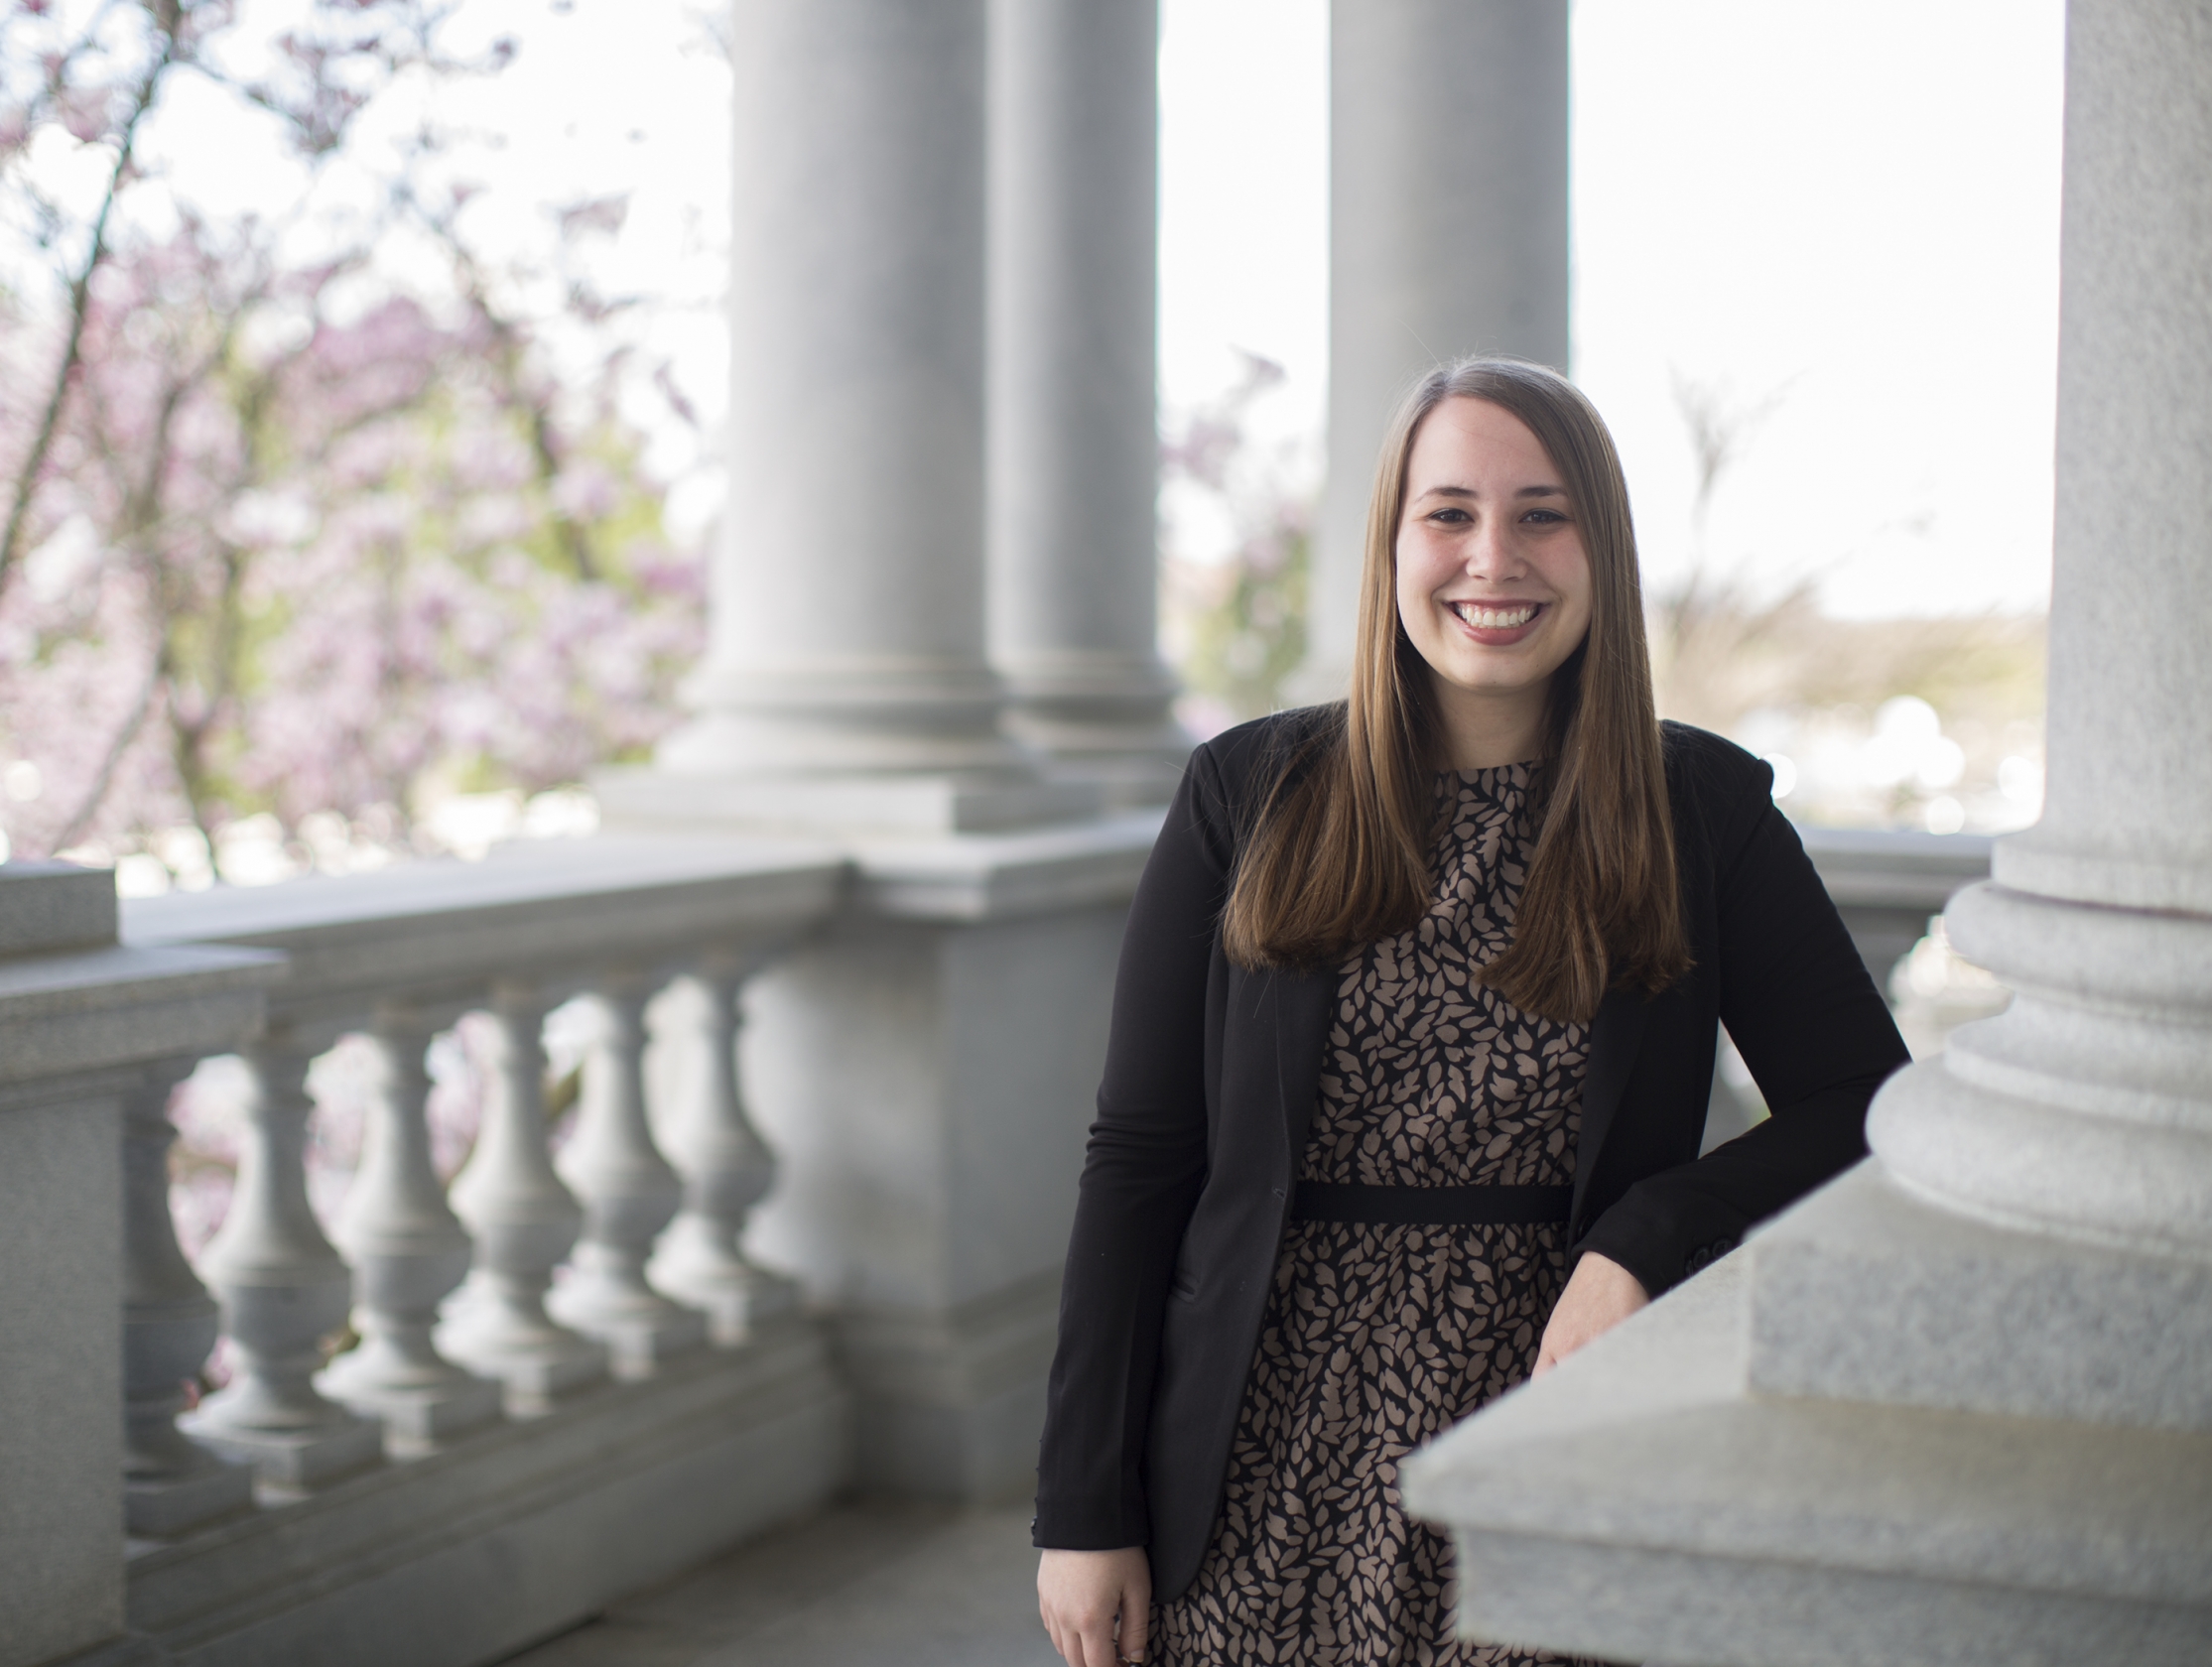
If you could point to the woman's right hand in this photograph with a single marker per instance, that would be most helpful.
(1095, 1605)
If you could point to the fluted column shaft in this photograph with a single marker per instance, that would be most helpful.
(2087, 1107)
(847, 606)
(1448, 235)
(1072, 432)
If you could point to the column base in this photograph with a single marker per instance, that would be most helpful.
(1643, 1503)
(1866, 1293)
(1099, 717)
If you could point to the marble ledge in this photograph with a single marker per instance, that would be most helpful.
(1641, 1503)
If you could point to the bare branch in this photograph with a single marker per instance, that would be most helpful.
(80, 297)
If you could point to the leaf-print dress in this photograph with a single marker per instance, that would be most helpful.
(1378, 1337)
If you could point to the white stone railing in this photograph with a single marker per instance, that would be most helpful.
(466, 1342)
(1887, 884)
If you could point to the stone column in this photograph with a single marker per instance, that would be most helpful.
(1956, 1406)
(847, 591)
(1072, 432)
(1448, 235)
(2088, 1108)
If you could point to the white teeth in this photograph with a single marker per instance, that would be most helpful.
(1494, 619)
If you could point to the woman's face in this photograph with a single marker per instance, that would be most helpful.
(1494, 581)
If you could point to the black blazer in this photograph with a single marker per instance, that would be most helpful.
(1213, 1072)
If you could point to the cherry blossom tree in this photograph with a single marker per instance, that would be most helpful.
(284, 533)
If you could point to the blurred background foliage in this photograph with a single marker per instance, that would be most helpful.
(319, 518)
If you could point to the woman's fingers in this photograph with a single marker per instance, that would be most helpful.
(1086, 1596)
(1136, 1622)
(1137, 1609)
(1599, 1295)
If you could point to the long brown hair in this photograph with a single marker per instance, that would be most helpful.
(1339, 852)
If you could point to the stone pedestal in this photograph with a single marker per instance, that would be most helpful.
(1954, 1407)
(1448, 235)
(925, 1074)
(1073, 434)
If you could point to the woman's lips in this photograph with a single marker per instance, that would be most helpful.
(1496, 624)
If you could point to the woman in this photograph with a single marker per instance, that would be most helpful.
(1411, 1049)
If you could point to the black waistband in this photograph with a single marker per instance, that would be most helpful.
(1329, 1201)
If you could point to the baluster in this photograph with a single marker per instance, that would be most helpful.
(408, 1251)
(629, 1192)
(726, 1167)
(523, 1221)
(170, 1482)
(283, 1289)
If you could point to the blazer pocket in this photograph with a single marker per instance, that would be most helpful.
(1185, 1287)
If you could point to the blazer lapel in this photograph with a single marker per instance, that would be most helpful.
(1615, 1036)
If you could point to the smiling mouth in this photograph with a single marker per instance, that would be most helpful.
(1512, 616)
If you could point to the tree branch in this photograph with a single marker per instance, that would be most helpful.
(80, 297)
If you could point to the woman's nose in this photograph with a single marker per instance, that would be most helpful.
(1489, 553)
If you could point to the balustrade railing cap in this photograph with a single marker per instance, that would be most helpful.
(557, 910)
(1898, 868)
(73, 1001)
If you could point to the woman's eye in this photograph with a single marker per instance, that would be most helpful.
(1544, 517)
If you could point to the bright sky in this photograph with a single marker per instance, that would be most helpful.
(1849, 206)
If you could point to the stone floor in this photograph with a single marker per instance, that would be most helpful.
(856, 1586)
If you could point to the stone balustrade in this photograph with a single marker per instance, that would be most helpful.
(515, 1334)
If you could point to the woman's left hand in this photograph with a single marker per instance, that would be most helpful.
(1601, 1294)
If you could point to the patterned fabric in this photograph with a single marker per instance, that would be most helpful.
(1377, 1337)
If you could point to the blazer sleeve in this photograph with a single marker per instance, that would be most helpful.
(1142, 1176)
(1818, 1036)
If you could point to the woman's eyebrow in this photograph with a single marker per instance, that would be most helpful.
(1470, 493)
